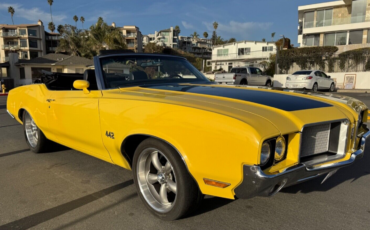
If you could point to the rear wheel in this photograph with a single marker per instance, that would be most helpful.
(163, 182)
(35, 138)
(244, 82)
(268, 84)
(315, 87)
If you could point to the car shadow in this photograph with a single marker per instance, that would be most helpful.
(46, 215)
(209, 204)
(350, 173)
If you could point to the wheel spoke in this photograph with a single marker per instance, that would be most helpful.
(152, 178)
(155, 160)
(167, 167)
(163, 194)
(172, 186)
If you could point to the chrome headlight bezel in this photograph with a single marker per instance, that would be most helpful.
(265, 153)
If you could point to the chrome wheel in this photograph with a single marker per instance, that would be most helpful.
(156, 180)
(32, 132)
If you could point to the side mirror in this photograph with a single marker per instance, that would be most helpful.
(329, 77)
(82, 84)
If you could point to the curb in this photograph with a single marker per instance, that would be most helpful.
(353, 90)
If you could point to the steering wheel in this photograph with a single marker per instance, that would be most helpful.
(175, 76)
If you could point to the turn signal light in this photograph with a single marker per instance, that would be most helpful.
(216, 183)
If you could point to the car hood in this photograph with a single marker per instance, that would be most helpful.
(287, 111)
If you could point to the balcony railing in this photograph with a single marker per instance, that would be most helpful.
(252, 55)
(131, 35)
(52, 38)
(9, 34)
(10, 47)
(336, 21)
(130, 45)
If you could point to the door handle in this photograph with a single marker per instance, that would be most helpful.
(50, 100)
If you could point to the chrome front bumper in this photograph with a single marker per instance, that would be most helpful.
(257, 183)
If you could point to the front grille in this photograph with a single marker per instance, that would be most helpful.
(315, 139)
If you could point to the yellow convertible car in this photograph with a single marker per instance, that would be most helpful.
(184, 137)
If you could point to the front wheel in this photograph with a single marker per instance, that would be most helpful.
(332, 88)
(35, 138)
(163, 182)
(268, 84)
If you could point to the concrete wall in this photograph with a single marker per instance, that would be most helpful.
(362, 79)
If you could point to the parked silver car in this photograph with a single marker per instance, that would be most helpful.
(310, 79)
(244, 76)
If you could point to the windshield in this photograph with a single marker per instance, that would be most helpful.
(302, 73)
(123, 71)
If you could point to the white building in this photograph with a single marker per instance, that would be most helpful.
(165, 38)
(243, 53)
(345, 24)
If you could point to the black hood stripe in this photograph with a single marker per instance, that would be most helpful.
(275, 100)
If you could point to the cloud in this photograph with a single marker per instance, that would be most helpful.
(187, 25)
(239, 29)
(33, 14)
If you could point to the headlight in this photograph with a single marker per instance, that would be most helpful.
(280, 149)
(265, 153)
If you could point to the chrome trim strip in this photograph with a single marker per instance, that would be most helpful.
(10, 114)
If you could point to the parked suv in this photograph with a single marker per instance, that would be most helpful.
(244, 76)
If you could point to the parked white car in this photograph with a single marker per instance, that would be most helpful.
(307, 79)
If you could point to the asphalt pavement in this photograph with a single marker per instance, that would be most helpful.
(66, 189)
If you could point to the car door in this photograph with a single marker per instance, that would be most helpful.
(319, 80)
(73, 117)
(261, 79)
(326, 80)
(252, 80)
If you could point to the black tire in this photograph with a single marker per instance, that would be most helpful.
(332, 88)
(315, 87)
(42, 144)
(244, 82)
(268, 84)
(188, 195)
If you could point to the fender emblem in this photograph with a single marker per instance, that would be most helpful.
(109, 134)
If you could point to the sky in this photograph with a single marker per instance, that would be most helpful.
(240, 19)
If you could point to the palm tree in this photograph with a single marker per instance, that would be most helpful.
(11, 11)
(60, 29)
(205, 35)
(51, 15)
(272, 36)
(106, 37)
(215, 25)
(231, 40)
(51, 27)
(195, 35)
(82, 19)
(75, 18)
(263, 39)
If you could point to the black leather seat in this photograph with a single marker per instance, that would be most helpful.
(89, 76)
(140, 75)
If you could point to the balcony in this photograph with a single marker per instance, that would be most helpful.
(251, 55)
(131, 35)
(10, 47)
(130, 45)
(337, 22)
(9, 34)
(55, 38)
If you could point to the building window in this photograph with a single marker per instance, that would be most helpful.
(33, 43)
(244, 51)
(24, 55)
(34, 54)
(32, 33)
(59, 70)
(312, 40)
(335, 39)
(355, 37)
(309, 19)
(22, 73)
(79, 70)
(267, 48)
(23, 43)
(358, 11)
(22, 32)
(222, 52)
(324, 18)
